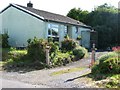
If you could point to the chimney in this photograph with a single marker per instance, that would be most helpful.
(29, 4)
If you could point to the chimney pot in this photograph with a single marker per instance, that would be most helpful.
(29, 4)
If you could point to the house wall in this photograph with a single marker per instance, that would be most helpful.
(85, 36)
(83, 32)
(0, 23)
(72, 32)
(21, 26)
(61, 32)
(46, 30)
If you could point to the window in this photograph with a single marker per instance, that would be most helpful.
(53, 30)
(66, 30)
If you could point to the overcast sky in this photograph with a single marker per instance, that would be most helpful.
(60, 6)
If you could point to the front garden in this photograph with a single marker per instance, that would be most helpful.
(105, 72)
(34, 56)
(107, 69)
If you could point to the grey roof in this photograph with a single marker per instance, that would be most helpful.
(54, 17)
(48, 16)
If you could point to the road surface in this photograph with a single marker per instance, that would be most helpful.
(16, 84)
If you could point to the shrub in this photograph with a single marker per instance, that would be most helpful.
(16, 54)
(108, 63)
(15, 58)
(54, 47)
(68, 45)
(5, 40)
(50, 39)
(116, 49)
(114, 82)
(4, 52)
(0, 39)
(80, 52)
(36, 49)
(60, 58)
(19, 60)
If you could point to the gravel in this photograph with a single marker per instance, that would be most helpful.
(43, 77)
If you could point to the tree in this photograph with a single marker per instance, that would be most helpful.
(105, 20)
(78, 14)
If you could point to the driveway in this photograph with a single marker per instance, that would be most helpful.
(16, 84)
(43, 78)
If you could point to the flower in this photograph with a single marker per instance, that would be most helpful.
(116, 49)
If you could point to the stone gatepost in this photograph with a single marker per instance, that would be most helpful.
(47, 54)
(92, 56)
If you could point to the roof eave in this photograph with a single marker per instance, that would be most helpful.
(85, 26)
(27, 11)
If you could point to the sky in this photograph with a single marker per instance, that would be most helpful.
(60, 6)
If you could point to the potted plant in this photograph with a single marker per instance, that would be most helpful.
(66, 36)
(78, 39)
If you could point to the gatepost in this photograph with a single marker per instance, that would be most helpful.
(92, 56)
(47, 55)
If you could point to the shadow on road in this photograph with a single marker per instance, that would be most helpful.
(69, 80)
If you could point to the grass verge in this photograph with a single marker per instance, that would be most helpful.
(67, 71)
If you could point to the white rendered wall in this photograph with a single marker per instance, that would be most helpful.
(0, 23)
(21, 26)
(74, 33)
(61, 33)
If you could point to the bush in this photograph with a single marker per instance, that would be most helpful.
(50, 39)
(108, 63)
(19, 60)
(114, 82)
(15, 58)
(54, 47)
(80, 52)
(16, 54)
(68, 45)
(60, 58)
(4, 40)
(36, 49)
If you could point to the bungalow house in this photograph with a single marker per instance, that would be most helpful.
(22, 23)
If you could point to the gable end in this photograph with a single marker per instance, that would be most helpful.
(23, 11)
